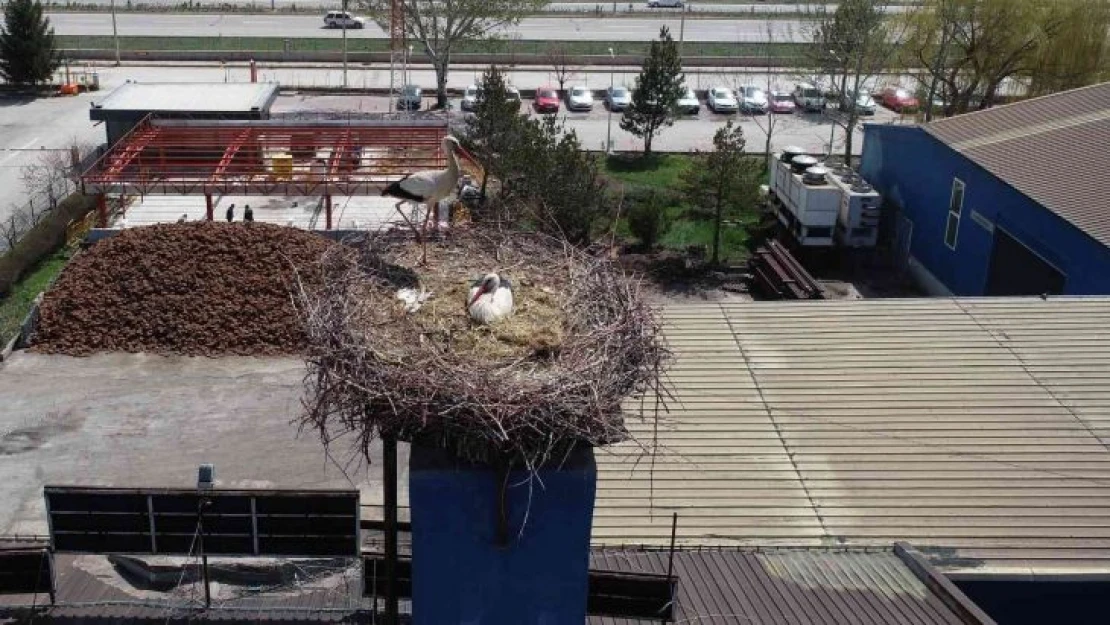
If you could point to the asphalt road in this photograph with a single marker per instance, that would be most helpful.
(542, 28)
(607, 8)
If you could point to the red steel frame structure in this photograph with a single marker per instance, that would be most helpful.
(185, 157)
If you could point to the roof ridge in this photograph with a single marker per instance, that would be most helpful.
(1020, 102)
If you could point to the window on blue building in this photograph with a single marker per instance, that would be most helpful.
(955, 207)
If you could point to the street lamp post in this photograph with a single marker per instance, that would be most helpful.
(344, 43)
(609, 124)
(115, 33)
(832, 122)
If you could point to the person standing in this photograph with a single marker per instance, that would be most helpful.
(231, 213)
(248, 214)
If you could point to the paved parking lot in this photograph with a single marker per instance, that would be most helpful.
(690, 132)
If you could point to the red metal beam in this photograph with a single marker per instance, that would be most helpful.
(229, 154)
(207, 158)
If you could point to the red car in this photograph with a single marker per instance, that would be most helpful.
(899, 100)
(547, 100)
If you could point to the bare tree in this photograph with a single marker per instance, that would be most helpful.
(562, 62)
(853, 43)
(439, 26)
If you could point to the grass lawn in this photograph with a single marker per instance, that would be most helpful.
(663, 173)
(14, 307)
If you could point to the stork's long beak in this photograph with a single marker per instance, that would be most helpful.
(477, 294)
(468, 155)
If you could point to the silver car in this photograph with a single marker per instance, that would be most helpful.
(580, 98)
(470, 98)
(618, 98)
(721, 100)
(688, 103)
(754, 101)
(864, 105)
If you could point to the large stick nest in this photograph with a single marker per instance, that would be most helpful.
(555, 374)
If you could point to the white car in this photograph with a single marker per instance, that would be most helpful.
(721, 100)
(865, 104)
(470, 98)
(343, 19)
(688, 103)
(580, 98)
(618, 98)
(754, 101)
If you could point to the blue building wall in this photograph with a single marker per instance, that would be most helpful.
(915, 171)
(462, 576)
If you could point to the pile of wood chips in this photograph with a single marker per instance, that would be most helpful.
(200, 288)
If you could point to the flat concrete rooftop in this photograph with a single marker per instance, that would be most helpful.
(143, 420)
(214, 97)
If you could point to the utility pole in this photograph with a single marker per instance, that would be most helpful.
(396, 44)
(345, 18)
(682, 27)
(609, 125)
(115, 33)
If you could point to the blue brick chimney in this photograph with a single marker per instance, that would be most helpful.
(471, 568)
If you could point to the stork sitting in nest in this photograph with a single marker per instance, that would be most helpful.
(490, 299)
(429, 187)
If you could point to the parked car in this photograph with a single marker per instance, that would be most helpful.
(473, 95)
(470, 98)
(808, 97)
(410, 98)
(673, 4)
(580, 98)
(547, 100)
(753, 100)
(864, 104)
(618, 98)
(781, 103)
(721, 100)
(343, 19)
(688, 103)
(899, 100)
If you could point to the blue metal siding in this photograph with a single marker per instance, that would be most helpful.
(915, 171)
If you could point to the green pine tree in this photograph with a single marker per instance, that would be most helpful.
(724, 181)
(27, 54)
(659, 85)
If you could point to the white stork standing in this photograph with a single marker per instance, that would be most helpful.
(490, 299)
(429, 187)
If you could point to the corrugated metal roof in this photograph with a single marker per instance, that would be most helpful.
(973, 429)
(786, 586)
(1044, 148)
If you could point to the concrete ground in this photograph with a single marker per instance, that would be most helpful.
(141, 420)
(348, 213)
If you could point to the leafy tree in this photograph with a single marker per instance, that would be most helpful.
(970, 47)
(659, 85)
(545, 179)
(490, 132)
(440, 26)
(647, 217)
(1079, 54)
(725, 180)
(853, 43)
(27, 54)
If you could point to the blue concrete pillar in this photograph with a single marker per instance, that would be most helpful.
(462, 575)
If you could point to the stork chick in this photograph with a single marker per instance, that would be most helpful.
(490, 299)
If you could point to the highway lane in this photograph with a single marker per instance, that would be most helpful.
(300, 26)
(607, 8)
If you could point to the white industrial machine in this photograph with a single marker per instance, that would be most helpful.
(822, 208)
